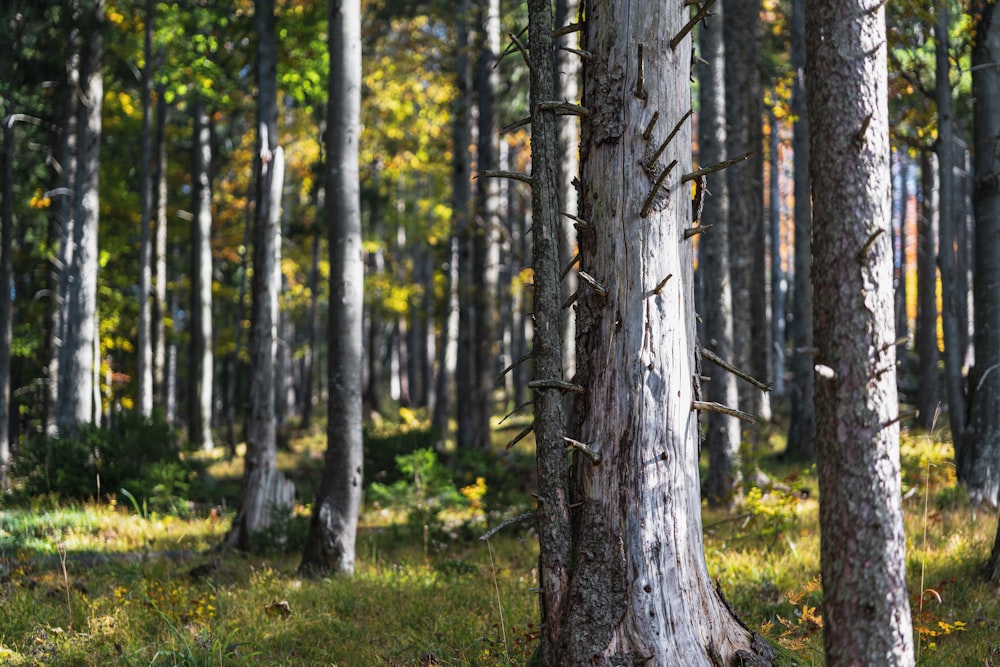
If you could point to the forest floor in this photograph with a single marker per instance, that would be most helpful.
(103, 582)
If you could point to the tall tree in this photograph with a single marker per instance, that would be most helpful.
(266, 491)
(745, 186)
(568, 68)
(947, 262)
(200, 368)
(722, 437)
(550, 446)
(802, 422)
(925, 334)
(981, 444)
(144, 343)
(79, 362)
(6, 270)
(638, 589)
(330, 546)
(866, 613)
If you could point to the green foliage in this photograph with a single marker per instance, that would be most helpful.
(139, 454)
(425, 488)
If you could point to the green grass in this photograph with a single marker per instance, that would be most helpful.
(99, 584)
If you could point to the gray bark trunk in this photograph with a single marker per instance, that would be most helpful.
(639, 590)
(78, 361)
(330, 546)
(144, 393)
(6, 271)
(266, 492)
(779, 284)
(926, 338)
(159, 329)
(947, 263)
(866, 613)
(981, 446)
(552, 514)
(568, 69)
(742, 117)
(202, 358)
(902, 320)
(722, 436)
(802, 421)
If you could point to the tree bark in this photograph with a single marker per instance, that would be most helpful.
(947, 263)
(639, 590)
(866, 613)
(981, 446)
(722, 435)
(552, 514)
(144, 393)
(159, 328)
(200, 376)
(802, 422)
(926, 337)
(779, 284)
(78, 362)
(266, 492)
(6, 271)
(330, 546)
(568, 70)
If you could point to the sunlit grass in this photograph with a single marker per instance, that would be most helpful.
(100, 583)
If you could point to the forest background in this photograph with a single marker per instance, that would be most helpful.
(447, 323)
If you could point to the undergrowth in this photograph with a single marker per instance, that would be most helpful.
(105, 581)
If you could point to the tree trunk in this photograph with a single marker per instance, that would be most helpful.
(953, 353)
(144, 393)
(568, 68)
(6, 272)
(266, 492)
(866, 612)
(552, 514)
(484, 241)
(981, 446)
(926, 338)
(744, 185)
(779, 284)
(722, 435)
(202, 357)
(309, 359)
(902, 319)
(639, 590)
(78, 362)
(802, 422)
(330, 546)
(159, 329)
(461, 264)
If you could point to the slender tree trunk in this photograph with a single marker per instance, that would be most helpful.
(902, 320)
(802, 422)
(722, 435)
(981, 447)
(553, 512)
(144, 393)
(926, 338)
(202, 357)
(462, 281)
(266, 491)
(568, 67)
(744, 185)
(866, 612)
(484, 241)
(639, 591)
(78, 362)
(6, 310)
(159, 328)
(953, 354)
(309, 360)
(779, 284)
(330, 546)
